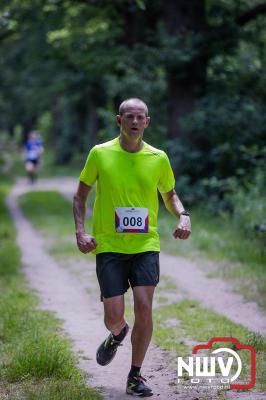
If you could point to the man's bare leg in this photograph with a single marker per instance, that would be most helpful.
(142, 329)
(140, 339)
(114, 308)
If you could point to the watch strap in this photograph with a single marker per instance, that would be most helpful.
(185, 212)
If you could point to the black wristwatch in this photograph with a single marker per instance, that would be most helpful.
(185, 212)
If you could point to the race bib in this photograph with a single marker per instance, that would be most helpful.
(131, 219)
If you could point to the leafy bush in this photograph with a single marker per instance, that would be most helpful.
(249, 207)
(220, 150)
(224, 136)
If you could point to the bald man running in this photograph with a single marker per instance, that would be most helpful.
(129, 172)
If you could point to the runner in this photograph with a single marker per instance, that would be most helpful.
(128, 172)
(33, 151)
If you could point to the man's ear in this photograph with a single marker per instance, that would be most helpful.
(118, 120)
(148, 120)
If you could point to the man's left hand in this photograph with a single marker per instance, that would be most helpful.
(183, 229)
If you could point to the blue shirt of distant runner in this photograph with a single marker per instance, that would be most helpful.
(33, 149)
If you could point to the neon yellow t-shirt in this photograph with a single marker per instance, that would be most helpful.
(126, 179)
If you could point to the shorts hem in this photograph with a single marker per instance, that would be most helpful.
(125, 252)
(113, 295)
(145, 284)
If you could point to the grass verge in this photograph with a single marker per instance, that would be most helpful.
(36, 361)
(51, 213)
(243, 259)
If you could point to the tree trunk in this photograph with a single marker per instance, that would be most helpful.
(185, 81)
(11, 130)
(28, 126)
(56, 122)
(92, 123)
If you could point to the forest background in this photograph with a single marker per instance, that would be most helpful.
(65, 66)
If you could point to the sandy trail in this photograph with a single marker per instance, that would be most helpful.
(81, 312)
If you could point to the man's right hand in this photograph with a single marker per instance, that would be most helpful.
(85, 242)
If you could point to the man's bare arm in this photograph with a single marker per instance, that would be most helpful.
(172, 203)
(85, 242)
(175, 207)
(80, 206)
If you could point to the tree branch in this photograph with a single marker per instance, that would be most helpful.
(251, 14)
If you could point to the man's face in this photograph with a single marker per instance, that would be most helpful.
(133, 122)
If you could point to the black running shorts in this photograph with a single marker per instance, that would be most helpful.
(116, 272)
(34, 162)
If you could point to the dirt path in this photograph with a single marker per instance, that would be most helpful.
(81, 311)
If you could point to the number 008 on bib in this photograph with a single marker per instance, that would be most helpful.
(132, 219)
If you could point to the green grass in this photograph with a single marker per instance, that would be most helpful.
(214, 237)
(36, 361)
(49, 169)
(51, 214)
(243, 259)
(55, 390)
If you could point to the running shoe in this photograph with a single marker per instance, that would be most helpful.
(137, 387)
(107, 350)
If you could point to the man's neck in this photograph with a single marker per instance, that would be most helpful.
(131, 147)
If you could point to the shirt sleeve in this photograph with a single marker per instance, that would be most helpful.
(90, 171)
(167, 179)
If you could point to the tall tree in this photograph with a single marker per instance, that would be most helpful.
(192, 40)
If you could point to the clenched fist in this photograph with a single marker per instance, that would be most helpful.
(183, 229)
(86, 242)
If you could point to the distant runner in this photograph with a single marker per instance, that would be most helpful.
(129, 172)
(33, 151)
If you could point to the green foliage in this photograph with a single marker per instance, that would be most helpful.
(76, 62)
(230, 130)
(249, 208)
(66, 66)
(234, 184)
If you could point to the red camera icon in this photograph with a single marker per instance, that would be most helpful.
(238, 346)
